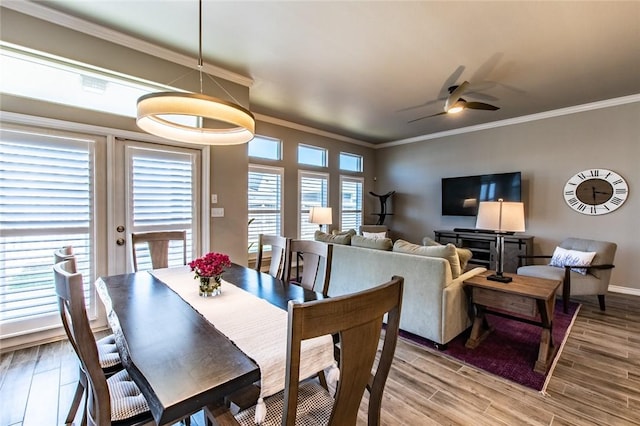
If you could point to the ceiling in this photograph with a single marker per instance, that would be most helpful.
(364, 69)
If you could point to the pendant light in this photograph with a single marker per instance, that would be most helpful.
(166, 114)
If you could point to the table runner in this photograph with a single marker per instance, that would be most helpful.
(257, 327)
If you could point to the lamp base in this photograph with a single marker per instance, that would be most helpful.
(499, 278)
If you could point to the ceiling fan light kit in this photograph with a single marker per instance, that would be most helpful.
(180, 116)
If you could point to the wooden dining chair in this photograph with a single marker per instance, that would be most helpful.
(158, 243)
(357, 319)
(107, 351)
(279, 249)
(113, 399)
(313, 254)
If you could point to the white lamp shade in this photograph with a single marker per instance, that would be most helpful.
(501, 216)
(320, 215)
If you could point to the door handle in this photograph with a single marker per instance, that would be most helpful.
(120, 241)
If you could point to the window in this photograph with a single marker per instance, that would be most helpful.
(161, 198)
(350, 202)
(313, 192)
(264, 147)
(265, 203)
(350, 162)
(46, 202)
(68, 82)
(312, 155)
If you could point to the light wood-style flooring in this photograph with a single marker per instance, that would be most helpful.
(596, 381)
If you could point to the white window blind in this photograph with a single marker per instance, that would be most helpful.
(46, 202)
(350, 203)
(265, 203)
(162, 195)
(314, 192)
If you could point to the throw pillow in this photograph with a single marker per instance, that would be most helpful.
(374, 235)
(448, 252)
(464, 254)
(333, 239)
(372, 243)
(351, 232)
(562, 257)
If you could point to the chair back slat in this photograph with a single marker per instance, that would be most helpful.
(279, 248)
(357, 318)
(158, 243)
(314, 255)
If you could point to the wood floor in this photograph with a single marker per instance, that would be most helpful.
(596, 381)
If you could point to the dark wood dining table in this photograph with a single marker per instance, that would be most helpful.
(180, 361)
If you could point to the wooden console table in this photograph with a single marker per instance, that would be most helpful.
(524, 296)
(483, 247)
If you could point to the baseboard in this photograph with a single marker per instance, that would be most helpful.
(624, 290)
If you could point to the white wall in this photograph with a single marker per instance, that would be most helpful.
(547, 152)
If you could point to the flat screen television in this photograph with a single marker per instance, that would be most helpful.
(461, 195)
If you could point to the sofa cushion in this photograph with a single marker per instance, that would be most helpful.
(372, 243)
(447, 252)
(562, 257)
(344, 239)
(464, 254)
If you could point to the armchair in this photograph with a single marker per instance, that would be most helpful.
(596, 279)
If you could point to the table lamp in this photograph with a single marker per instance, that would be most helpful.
(502, 217)
(321, 216)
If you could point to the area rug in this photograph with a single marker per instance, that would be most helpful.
(511, 350)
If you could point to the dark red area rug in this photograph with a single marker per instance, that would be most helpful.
(511, 350)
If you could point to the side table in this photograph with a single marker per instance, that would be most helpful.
(523, 299)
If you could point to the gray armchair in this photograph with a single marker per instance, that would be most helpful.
(595, 281)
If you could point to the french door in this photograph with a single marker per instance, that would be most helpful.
(161, 192)
(66, 188)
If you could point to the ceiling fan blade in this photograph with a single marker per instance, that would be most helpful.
(455, 95)
(481, 105)
(428, 116)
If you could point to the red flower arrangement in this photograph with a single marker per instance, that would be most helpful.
(210, 265)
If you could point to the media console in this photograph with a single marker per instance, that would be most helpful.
(483, 246)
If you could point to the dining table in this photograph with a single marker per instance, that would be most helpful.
(181, 358)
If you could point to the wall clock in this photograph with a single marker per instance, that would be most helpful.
(595, 191)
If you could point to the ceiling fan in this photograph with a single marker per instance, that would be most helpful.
(454, 103)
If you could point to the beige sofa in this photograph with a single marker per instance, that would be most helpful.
(434, 305)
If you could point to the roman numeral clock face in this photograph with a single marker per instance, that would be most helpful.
(595, 191)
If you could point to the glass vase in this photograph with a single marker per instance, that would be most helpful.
(210, 286)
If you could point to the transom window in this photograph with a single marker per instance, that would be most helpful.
(266, 148)
(350, 162)
(312, 155)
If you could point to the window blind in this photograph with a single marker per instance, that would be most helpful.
(350, 203)
(264, 203)
(313, 193)
(46, 186)
(161, 199)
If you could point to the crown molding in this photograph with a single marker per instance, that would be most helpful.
(608, 103)
(312, 130)
(44, 13)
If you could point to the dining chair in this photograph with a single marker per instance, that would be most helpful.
(158, 243)
(279, 248)
(314, 254)
(357, 318)
(107, 351)
(113, 399)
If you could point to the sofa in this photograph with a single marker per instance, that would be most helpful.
(434, 304)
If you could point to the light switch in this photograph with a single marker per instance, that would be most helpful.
(214, 198)
(217, 212)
